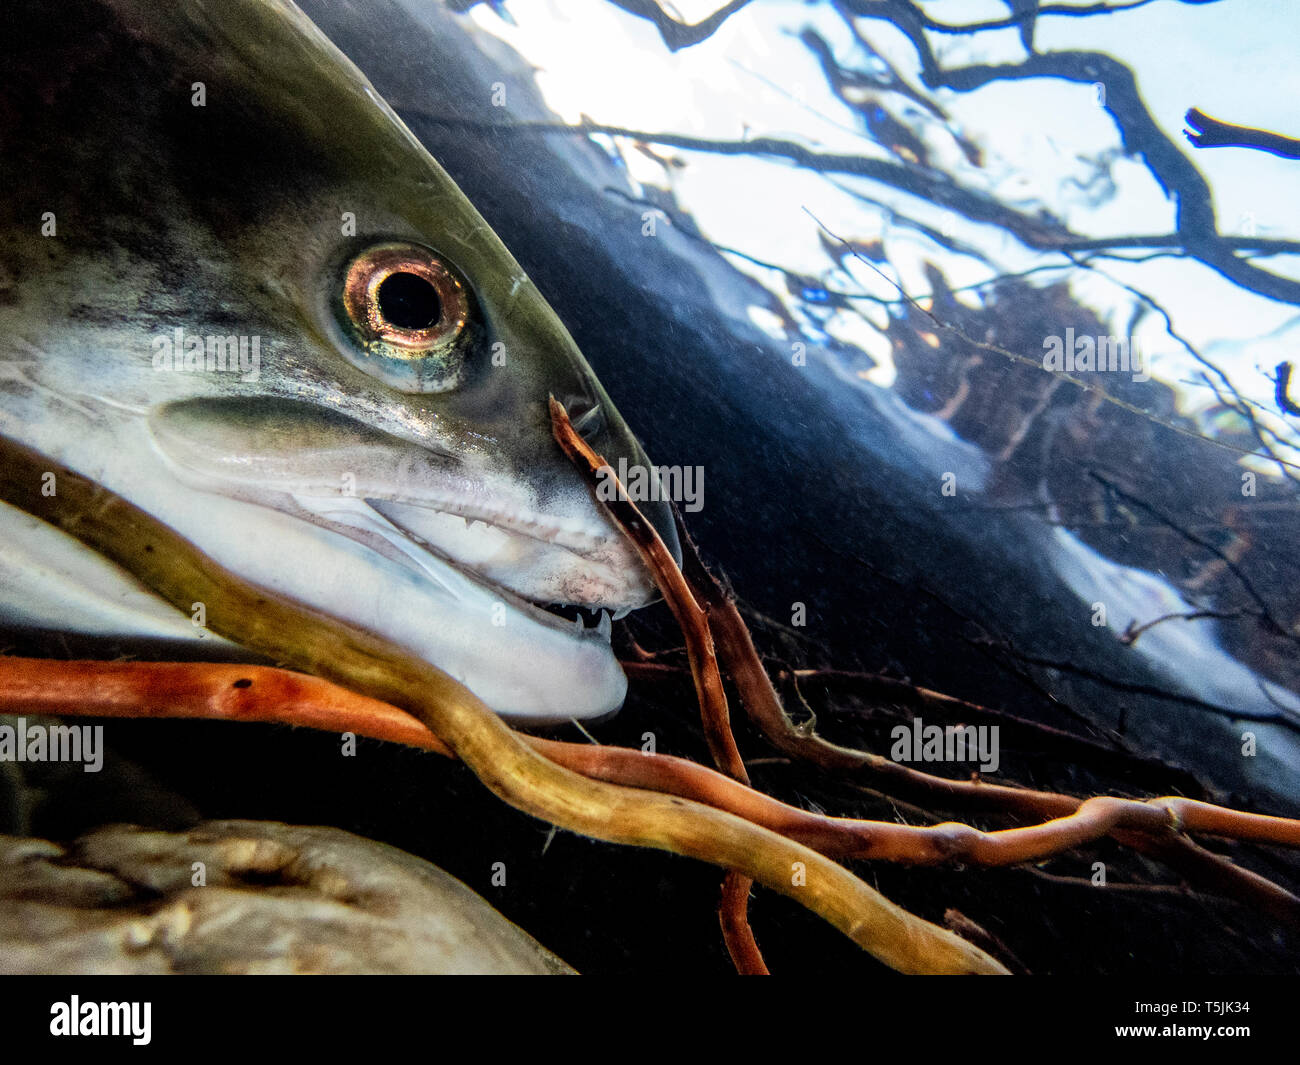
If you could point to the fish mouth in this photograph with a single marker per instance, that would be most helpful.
(572, 581)
(549, 567)
(560, 562)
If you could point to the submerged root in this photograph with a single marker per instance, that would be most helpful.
(502, 760)
(711, 610)
(219, 692)
(611, 793)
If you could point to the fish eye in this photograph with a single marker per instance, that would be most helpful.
(402, 296)
(408, 301)
(406, 310)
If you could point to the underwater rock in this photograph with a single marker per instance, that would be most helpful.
(246, 897)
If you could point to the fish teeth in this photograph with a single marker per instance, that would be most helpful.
(578, 627)
(604, 627)
(622, 612)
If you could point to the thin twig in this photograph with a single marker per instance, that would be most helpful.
(733, 913)
(677, 594)
(1207, 132)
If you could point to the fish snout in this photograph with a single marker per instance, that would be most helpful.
(650, 487)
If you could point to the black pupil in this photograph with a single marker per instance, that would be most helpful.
(408, 301)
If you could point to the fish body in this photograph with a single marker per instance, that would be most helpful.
(236, 291)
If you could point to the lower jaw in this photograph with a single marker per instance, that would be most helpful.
(570, 570)
(547, 664)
